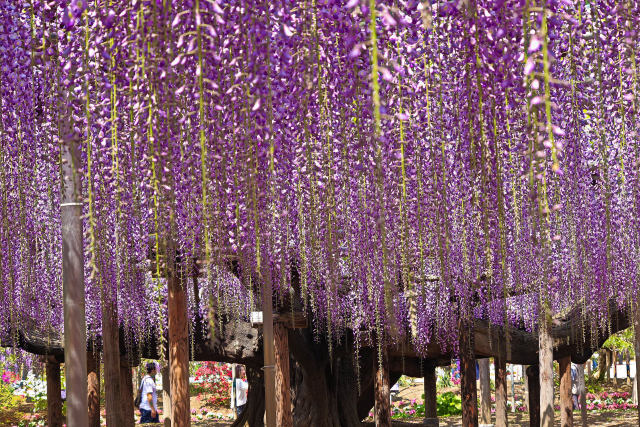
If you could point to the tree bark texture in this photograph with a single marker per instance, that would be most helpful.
(254, 411)
(533, 386)
(178, 351)
(54, 394)
(430, 395)
(111, 348)
(566, 402)
(382, 390)
(545, 355)
(468, 378)
(93, 388)
(501, 383)
(283, 382)
(485, 391)
(126, 388)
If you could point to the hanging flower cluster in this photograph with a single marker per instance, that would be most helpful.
(399, 165)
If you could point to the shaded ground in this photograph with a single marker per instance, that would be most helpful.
(603, 419)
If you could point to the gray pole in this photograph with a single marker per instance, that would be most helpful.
(75, 330)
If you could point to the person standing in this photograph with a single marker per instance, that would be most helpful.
(149, 400)
(240, 389)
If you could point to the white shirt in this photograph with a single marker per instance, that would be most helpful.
(148, 386)
(241, 392)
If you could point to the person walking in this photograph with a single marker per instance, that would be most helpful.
(149, 396)
(240, 389)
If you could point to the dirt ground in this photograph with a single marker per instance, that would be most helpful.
(414, 391)
(600, 419)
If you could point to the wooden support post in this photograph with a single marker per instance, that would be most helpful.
(166, 396)
(468, 377)
(628, 366)
(126, 388)
(269, 354)
(430, 394)
(178, 349)
(54, 393)
(75, 326)
(485, 392)
(533, 386)
(501, 383)
(582, 391)
(636, 345)
(566, 401)
(614, 360)
(545, 357)
(382, 391)
(93, 388)
(283, 385)
(111, 349)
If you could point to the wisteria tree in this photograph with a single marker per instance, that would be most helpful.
(394, 169)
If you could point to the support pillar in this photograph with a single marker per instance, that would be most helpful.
(501, 383)
(269, 354)
(468, 378)
(54, 393)
(126, 387)
(284, 417)
(382, 392)
(628, 366)
(430, 394)
(566, 402)
(636, 345)
(614, 358)
(485, 392)
(111, 348)
(75, 326)
(582, 391)
(545, 357)
(533, 386)
(166, 396)
(93, 388)
(178, 350)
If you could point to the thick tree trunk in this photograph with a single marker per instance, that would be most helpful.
(533, 387)
(501, 383)
(382, 413)
(566, 402)
(485, 392)
(126, 387)
(254, 411)
(178, 351)
(430, 395)
(283, 382)
(54, 393)
(545, 355)
(93, 388)
(111, 349)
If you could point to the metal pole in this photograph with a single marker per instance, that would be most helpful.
(75, 329)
